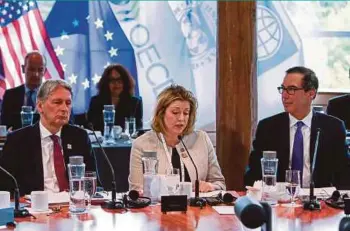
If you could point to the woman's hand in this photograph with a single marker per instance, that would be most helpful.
(206, 186)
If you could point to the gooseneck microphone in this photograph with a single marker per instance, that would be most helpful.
(113, 204)
(18, 212)
(196, 201)
(312, 203)
(254, 214)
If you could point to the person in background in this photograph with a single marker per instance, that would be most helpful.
(34, 68)
(175, 115)
(37, 155)
(115, 87)
(292, 134)
(340, 107)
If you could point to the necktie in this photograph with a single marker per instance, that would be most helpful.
(298, 150)
(59, 164)
(30, 99)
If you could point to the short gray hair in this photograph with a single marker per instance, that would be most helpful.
(49, 86)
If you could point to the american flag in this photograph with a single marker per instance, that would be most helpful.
(87, 37)
(21, 31)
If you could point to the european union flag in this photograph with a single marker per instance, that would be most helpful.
(87, 37)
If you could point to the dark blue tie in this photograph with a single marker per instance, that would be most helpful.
(298, 150)
(30, 101)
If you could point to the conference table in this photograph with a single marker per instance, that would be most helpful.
(151, 218)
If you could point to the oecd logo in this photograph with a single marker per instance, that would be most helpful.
(269, 33)
(198, 25)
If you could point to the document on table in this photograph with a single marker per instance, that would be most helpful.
(318, 192)
(224, 210)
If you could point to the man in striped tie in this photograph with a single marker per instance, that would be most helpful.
(292, 134)
(38, 155)
(24, 95)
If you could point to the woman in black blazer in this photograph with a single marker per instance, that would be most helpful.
(116, 87)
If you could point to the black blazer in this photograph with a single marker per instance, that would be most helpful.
(340, 107)
(11, 108)
(127, 107)
(331, 167)
(22, 156)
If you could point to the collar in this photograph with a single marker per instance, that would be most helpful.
(307, 120)
(26, 89)
(44, 133)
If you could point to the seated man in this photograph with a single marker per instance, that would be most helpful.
(340, 107)
(38, 155)
(25, 94)
(292, 134)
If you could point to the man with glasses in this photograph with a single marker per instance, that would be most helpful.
(292, 134)
(24, 95)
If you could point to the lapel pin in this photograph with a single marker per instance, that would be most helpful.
(69, 146)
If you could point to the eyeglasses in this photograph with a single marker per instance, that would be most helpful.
(289, 90)
(114, 81)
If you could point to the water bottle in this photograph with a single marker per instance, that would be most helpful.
(76, 172)
(269, 164)
(151, 183)
(26, 116)
(108, 118)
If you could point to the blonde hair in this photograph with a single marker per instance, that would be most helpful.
(168, 96)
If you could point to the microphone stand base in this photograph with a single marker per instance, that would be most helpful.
(197, 202)
(21, 213)
(312, 205)
(113, 205)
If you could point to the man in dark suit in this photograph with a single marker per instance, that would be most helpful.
(34, 154)
(340, 107)
(25, 94)
(292, 134)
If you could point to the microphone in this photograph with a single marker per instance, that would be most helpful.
(344, 224)
(196, 201)
(312, 203)
(18, 212)
(253, 214)
(113, 204)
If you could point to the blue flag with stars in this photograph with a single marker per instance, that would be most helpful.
(87, 37)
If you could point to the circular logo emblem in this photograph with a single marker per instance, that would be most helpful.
(198, 25)
(269, 33)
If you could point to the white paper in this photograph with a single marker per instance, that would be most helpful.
(318, 192)
(224, 210)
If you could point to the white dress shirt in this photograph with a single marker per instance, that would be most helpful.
(50, 179)
(306, 131)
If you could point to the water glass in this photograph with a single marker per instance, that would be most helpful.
(108, 119)
(76, 173)
(293, 184)
(129, 128)
(90, 181)
(26, 116)
(172, 180)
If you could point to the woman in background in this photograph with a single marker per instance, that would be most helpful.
(116, 87)
(175, 116)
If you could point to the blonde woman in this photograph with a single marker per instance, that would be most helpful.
(175, 115)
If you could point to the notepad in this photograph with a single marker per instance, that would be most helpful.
(224, 210)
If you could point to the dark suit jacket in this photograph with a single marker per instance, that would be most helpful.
(331, 164)
(340, 107)
(11, 108)
(127, 107)
(22, 156)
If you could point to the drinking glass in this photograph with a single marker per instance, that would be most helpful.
(293, 184)
(90, 181)
(172, 180)
(130, 128)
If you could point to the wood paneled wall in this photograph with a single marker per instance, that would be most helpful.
(236, 88)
